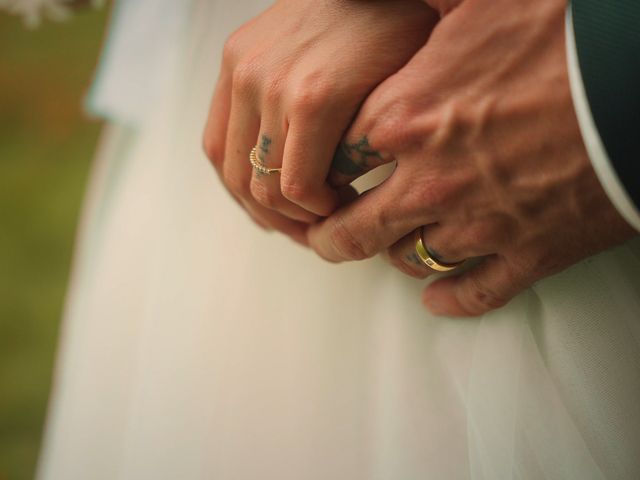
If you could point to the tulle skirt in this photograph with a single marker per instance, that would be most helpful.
(196, 346)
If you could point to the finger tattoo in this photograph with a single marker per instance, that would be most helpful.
(414, 259)
(263, 151)
(354, 159)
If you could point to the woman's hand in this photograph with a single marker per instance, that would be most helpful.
(291, 82)
(489, 158)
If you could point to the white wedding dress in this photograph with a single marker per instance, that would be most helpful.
(195, 346)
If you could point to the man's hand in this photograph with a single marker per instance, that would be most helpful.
(291, 82)
(489, 159)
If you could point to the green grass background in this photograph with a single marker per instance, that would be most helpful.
(46, 146)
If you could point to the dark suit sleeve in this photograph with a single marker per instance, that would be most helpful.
(607, 38)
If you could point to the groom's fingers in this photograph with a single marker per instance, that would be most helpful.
(361, 150)
(369, 224)
(488, 286)
(377, 134)
(353, 158)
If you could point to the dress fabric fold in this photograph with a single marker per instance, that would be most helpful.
(196, 346)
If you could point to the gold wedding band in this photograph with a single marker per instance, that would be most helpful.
(427, 258)
(257, 164)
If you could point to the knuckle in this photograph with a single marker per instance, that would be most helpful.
(437, 195)
(392, 124)
(244, 77)
(294, 190)
(347, 244)
(385, 217)
(264, 196)
(213, 149)
(483, 234)
(448, 122)
(273, 91)
(433, 194)
(444, 252)
(310, 99)
(236, 185)
(481, 298)
(447, 245)
(389, 129)
(490, 235)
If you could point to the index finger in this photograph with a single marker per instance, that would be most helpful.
(354, 157)
(370, 224)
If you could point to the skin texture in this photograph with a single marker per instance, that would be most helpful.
(292, 87)
(489, 159)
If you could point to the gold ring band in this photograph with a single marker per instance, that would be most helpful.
(428, 260)
(258, 166)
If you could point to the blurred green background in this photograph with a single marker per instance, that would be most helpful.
(46, 145)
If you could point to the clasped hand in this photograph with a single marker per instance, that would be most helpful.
(472, 103)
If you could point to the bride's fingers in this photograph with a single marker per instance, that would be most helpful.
(242, 131)
(368, 225)
(265, 187)
(215, 132)
(307, 159)
(366, 145)
(230, 134)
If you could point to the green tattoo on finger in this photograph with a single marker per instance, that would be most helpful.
(354, 159)
(415, 259)
(263, 151)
